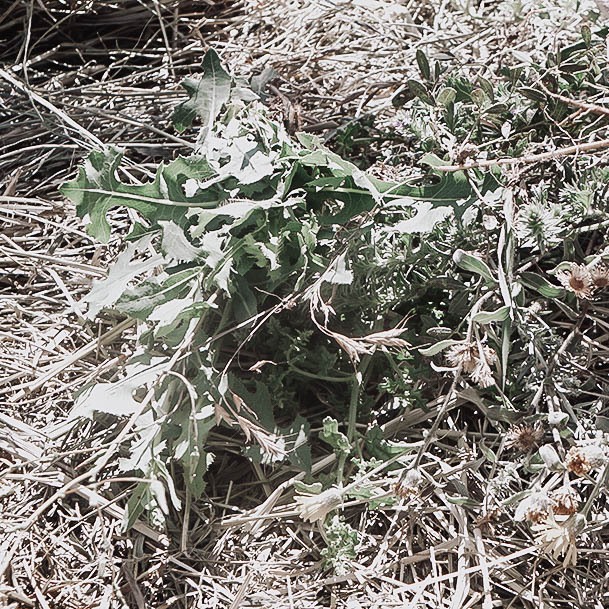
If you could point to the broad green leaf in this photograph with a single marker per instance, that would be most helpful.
(423, 64)
(207, 95)
(486, 317)
(140, 300)
(438, 347)
(473, 264)
(244, 300)
(541, 285)
(446, 96)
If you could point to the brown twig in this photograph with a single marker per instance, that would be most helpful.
(531, 159)
(594, 108)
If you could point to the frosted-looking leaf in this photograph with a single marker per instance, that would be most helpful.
(107, 291)
(117, 398)
(426, 217)
(167, 313)
(207, 95)
(176, 245)
(338, 273)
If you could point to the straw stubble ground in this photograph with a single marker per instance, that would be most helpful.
(77, 74)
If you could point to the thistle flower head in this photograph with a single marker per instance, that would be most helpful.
(577, 279)
(566, 500)
(482, 374)
(464, 355)
(524, 437)
(538, 224)
(474, 359)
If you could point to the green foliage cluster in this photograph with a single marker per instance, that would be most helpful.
(281, 289)
(232, 248)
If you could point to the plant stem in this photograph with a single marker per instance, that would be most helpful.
(358, 381)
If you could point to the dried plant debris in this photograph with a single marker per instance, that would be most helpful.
(404, 205)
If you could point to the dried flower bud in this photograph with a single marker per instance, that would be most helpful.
(464, 355)
(599, 274)
(550, 457)
(316, 507)
(409, 483)
(557, 418)
(474, 359)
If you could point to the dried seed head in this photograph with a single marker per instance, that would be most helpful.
(316, 507)
(566, 499)
(483, 375)
(524, 437)
(465, 152)
(486, 521)
(535, 508)
(409, 484)
(464, 355)
(557, 538)
(475, 359)
(581, 459)
(577, 279)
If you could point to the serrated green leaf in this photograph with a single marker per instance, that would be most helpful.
(97, 190)
(335, 438)
(108, 291)
(140, 300)
(118, 398)
(175, 244)
(207, 95)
